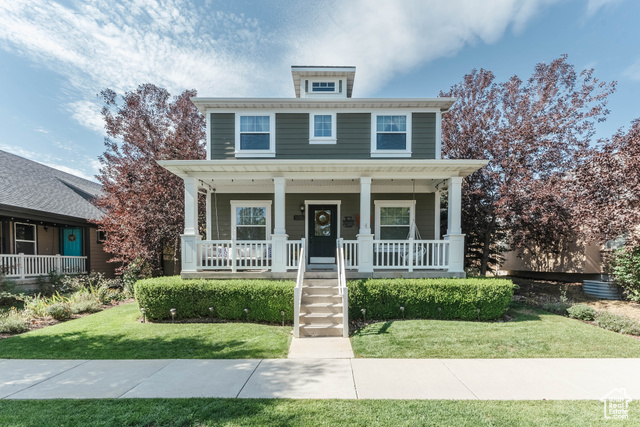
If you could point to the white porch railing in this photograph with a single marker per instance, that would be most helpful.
(243, 254)
(411, 254)
(350, 254)
(297, 291)
(22, 266)
(342, 286)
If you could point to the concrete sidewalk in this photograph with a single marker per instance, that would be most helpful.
(486, 379)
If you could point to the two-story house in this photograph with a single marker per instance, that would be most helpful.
(319, 171)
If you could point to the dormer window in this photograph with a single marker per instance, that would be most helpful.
(323, 87)
(255, 135)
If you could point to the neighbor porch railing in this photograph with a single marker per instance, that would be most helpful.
(411, 254)
(243, 254)
(22, 266)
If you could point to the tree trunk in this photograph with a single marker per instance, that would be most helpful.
(485, 253)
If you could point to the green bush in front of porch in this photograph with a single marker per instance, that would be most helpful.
(264, 299)
(465, 299)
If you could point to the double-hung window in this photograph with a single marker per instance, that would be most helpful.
(25, 238)
(251, 220)
(395, 219)
(391, 135)
(255, 136)
(322, 128)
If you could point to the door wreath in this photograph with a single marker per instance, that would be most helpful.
(323, 218)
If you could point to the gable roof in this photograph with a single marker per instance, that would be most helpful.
(30, 185)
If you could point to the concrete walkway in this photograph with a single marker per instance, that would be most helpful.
(320, 348)
(486, 379)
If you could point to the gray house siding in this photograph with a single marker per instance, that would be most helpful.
(423, 136)
(350, 206)
(353, 137)
(223, 136)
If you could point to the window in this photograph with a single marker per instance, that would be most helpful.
(251, 220)
(323, 87)
(391, 136)
(322, 128)
(394, 219)
(25, 238)
(255, 136)
(101, 236)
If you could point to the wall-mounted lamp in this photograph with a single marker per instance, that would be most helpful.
(302, 208)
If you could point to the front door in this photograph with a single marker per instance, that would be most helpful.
(323, 232)
(71, 241)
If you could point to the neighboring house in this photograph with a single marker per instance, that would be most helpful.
(318, 171)
(44, 221)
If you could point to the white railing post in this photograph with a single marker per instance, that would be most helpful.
(411, 252)
(21, 266)
(58, 264)
(234, 267)
(279, 255)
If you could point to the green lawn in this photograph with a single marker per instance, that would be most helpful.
(533, 333)
(281, 412)
(116, 334)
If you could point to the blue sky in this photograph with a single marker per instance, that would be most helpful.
(56, 56)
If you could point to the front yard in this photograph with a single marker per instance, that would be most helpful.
(283, 412)
(116, 333)
(532, 333)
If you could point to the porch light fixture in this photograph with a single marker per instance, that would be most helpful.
(302, 208)
(173, 315)
(144, 317)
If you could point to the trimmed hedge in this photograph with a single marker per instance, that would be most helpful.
(265, 299)
(429, 298)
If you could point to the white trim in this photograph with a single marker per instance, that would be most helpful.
(438, 135)
(208, 130)
(322, 139)
(306, 219)
(34, 241)
(375, 152)
(250, 204)
(436, 216)
(411, 204)
(271, 152)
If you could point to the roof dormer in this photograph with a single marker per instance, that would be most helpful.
(323, 82)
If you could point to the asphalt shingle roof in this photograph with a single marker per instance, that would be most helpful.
(31, 185)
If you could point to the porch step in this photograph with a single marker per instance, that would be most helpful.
(321, 307)
(320, 282)
(320, 275)
(321, 330)
(312, 319)
(320, 290)
(320, 298)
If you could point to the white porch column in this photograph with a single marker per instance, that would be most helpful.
(279, 237)
(208, 213)
(365, 238)
(454, 231)
(436, 215)
(190, 236)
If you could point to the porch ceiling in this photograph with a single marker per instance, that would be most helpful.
(322, 169)
(322, 185)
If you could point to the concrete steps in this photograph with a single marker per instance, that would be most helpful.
(321, 311)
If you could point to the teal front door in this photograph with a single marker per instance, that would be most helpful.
(71, 241)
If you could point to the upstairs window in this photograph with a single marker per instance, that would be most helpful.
(322, 128)
(255, 136)
(323, 87)
(391, 136)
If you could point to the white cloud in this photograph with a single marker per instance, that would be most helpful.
(632, 72)
(595, 5)
(173, 43)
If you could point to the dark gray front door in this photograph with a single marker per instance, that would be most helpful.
(323, 220)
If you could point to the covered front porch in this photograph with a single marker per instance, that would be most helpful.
(385, 217)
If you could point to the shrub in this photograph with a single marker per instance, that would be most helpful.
(59, 311)
(625, 267)
(430, 298)
(192, 298)
(557, 307)
(617, 323)
(84, 302)
(582, 312)
(12, 323)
